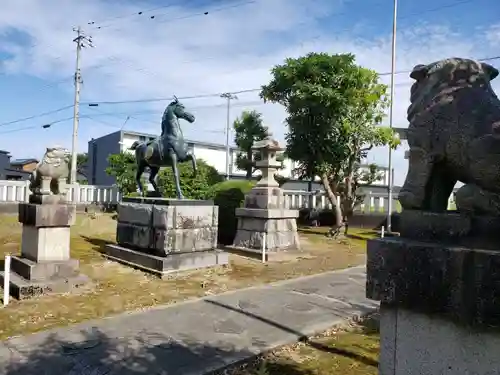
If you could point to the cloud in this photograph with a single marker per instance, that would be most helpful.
(184, 52)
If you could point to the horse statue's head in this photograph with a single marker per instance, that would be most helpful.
(178, 109)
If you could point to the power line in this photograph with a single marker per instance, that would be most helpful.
(153, 122)
(445, 6)
(218, 94)
(49, 124)
(103, 114)
(306, 24)
(139, 13)
(101, 121)
(155, 99)
(195, 14)
(165, 6)
(36, 116)
(400, 29)
(44, 126)
(212, 95)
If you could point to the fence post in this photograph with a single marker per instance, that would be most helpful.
(6, 280)
(264, 247)
(76, 193)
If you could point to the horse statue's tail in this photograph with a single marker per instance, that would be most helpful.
(135, 145)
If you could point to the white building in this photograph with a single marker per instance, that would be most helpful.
(213, 154)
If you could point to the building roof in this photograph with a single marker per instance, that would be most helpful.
(12, 171)
(23, 161)
(4, 152)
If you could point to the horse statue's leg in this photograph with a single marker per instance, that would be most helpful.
(173, 160)
(141, 166)
(153, 172)
(190, 156)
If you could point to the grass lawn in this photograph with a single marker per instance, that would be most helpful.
(350, 350)
(118, 288)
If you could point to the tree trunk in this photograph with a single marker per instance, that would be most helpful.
(250, 166)
(333, 200)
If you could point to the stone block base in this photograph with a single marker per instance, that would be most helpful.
(461, 284)
(30, 279)
(439, 288)
(163, 242)
(163, 226)
(47, 215)
(278, 225)
(452, 228)
(22, 288)
(44, 271)
(163, 265)
(413, 343)
(45, 244)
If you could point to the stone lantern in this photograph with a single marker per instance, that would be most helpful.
(265, 214)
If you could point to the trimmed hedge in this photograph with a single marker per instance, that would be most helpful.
(229, 195)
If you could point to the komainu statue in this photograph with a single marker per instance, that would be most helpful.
(454, 135)
(49, 177)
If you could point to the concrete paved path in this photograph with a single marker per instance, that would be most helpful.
(193, 337)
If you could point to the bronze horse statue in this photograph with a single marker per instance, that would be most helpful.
(167, 150)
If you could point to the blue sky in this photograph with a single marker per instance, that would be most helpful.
(181, 51)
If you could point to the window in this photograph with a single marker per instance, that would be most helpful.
(142, 138)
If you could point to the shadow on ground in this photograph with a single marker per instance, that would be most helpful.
(98, 244)
(95, 353)
(361, 236)
(91, 351)
(369, 325)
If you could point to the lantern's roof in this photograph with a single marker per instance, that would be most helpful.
(267, 143)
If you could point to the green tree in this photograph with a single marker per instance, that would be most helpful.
(123, 167)
(351, 197)
(81, 163)
(248, 129)
(334, 108)
(197, 187)
(81, 167)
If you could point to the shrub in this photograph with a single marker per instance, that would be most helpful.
(229, 195)
(192, 187)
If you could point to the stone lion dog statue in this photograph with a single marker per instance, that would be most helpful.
(51, 173)
(454, 135)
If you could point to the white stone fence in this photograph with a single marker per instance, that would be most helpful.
(18, 191)
(374, 202)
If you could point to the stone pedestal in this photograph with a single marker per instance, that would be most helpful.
(439, 289)
(278, 226)
(264, 214)
(163, 235)
(44, 265)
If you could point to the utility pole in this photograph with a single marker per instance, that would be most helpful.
(228, 96)
(81, 41)
(391, 113)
